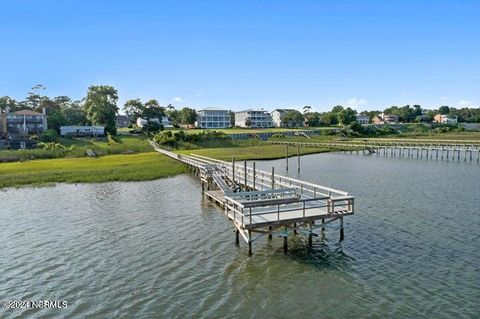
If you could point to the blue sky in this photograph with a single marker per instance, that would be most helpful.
(239, 54)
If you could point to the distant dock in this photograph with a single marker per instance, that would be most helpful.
(422, 149)
(260, 203)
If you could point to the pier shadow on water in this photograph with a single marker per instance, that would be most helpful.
(323, 254)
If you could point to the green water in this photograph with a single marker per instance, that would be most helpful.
(157, 250)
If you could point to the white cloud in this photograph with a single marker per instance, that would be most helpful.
(356, 102)
(177, 99)
(465, 103)
(330, 98)
(443, 97)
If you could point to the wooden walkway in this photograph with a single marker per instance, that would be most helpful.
(264, 203)
(447, 150)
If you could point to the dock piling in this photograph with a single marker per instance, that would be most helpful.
(298, 159)
(342, 237)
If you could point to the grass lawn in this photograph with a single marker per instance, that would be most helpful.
(244, 130)
(457, 136)
(263, 151)
(125, 145)
(134, 167)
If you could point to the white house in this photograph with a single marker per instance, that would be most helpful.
(363, 119)
(165, 122)
(80, 131)
(255, 119)
(213, 118)
(445, 119)
(278, 116)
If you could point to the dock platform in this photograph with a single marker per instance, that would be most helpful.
(264, 203)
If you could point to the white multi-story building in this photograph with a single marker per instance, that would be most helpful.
(165, 122)
(253, 118)
(213, 118)
(363, 119)
(445, 119)
(278, 116)
(81, 131)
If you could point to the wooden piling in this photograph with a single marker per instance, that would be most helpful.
(250, 243)
(286, 155)
(310, 235)
(298, 159)
(269, 232)
(285, 241)
(273, 177)
(233, 170)
(254, 175)
(245, 174)
(341, 229)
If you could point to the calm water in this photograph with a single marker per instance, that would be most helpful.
(156, 249)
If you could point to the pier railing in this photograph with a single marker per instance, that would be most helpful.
(262, 180)
(273, 208)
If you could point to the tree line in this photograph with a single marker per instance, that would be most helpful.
(99, 107)
(407, 114)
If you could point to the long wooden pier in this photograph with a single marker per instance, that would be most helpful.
(262, 203)
(446, 150)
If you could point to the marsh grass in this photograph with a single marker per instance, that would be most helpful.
(78, 148)
(262, 151)
(134, 167)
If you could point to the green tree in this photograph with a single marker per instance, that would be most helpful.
(329, 118)
(74, 114)
(34, 97)
(133, 108)
(153, 110)
(101, 106)
(307, 109)
(444, 109)
(188, 116)
(347, 116)
(357, 127)
(248, 123)
(293, 118)
(337, 109)
(312, 119)
(8, 102)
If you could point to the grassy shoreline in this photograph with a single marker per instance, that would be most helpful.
(148, 165)
(124, 167)
(134, 167)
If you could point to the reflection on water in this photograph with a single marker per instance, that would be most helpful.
(156, 249)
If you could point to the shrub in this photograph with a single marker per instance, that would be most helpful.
(70, 136)
(50, 136)
(152, 127)
(111, 140)
(50, 146)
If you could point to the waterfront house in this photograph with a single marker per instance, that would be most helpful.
(278, 116)
(23, 123)
(383, 118)
(82, 131)
(363, 119)
(3, 125)
(165, 121)
(213, 118)
(122, 121)
(445, 119)
(253, 118)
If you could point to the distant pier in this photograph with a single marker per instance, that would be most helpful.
(260, 203)
(421, 149)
